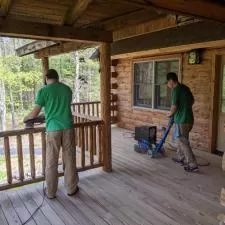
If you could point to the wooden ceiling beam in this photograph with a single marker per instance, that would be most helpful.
(76, 11)
(34, 47)
(16, 28)
(132, 18)
(198, 8)
(4, 7)
(65, 47)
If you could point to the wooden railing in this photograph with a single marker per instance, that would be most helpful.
(23, 152)
(93, 109)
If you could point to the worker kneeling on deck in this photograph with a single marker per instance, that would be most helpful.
(181, 109)
(56, 99)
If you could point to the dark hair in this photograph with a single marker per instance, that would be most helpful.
(52, 74)
(172, 76)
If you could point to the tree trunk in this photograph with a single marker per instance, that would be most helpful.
(12, 107)
(76, 78)
(21, 99)
(2, 106)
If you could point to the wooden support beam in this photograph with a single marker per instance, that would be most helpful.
(76, 11)
(215, 94)
(40, 31)
(4, 7)
(62, 48)
(34, 47)
(45, 67)
(105, 64)
(170, 40)
(201, 8)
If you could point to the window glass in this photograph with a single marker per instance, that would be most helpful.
(162, 92)
(150, 88)
(143, 80)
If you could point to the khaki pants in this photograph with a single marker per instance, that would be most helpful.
(66, 140)
(184, 150)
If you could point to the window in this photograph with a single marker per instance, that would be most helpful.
(150, 88)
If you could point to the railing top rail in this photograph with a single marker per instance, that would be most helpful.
(89, 103)
(85, 103)
(21, 131)
(24, 131)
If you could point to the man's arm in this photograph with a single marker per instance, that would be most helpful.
(173, 110)
(175, 102)
(33, 114)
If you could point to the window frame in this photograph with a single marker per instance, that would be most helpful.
(154, 60)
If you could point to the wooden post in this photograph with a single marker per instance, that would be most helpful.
(45, 67)
(105, 67)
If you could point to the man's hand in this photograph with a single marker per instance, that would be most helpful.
(33, 114)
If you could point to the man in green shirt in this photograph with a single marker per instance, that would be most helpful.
(56, 100)
(181, 110)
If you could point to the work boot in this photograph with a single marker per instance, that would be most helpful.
(178, 161)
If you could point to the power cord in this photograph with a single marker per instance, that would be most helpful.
(36, 210)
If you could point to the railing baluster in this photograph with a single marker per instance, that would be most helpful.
(8, 160)
(84, 110)
(88, 107)
(32, 159)
(97, 109)
(20, 157)
(79, 111)
(92, 109)
(91, 144)
(82, 147)
(94, 140)
(100, 144)
(79, 137)
(86, 139)
(43, 145)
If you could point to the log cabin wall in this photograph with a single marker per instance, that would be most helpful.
(198, 77)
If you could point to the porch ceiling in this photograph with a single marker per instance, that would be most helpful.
(91, 20)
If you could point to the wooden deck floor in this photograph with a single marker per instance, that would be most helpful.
(139, 191)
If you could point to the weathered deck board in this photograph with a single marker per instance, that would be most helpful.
(138, 191)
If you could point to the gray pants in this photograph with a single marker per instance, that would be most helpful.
(184, 151)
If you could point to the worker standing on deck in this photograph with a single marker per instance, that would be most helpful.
(181, 110)
(56, 99)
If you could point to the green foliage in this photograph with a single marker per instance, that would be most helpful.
(22, 76)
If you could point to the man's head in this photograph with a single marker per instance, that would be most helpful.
(172, 80)
(51, 76)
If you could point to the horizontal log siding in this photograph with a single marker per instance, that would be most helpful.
(197, 77)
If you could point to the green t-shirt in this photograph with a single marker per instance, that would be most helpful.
(183, 99)
(56, 99)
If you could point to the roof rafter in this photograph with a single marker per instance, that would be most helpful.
(34, 47)
(62, 48)
(76, 11)
(133, 18)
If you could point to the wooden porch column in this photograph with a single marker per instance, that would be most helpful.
(105, 66)
(45, 66)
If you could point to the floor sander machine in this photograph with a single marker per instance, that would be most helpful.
(146, 137)
(35, 121)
